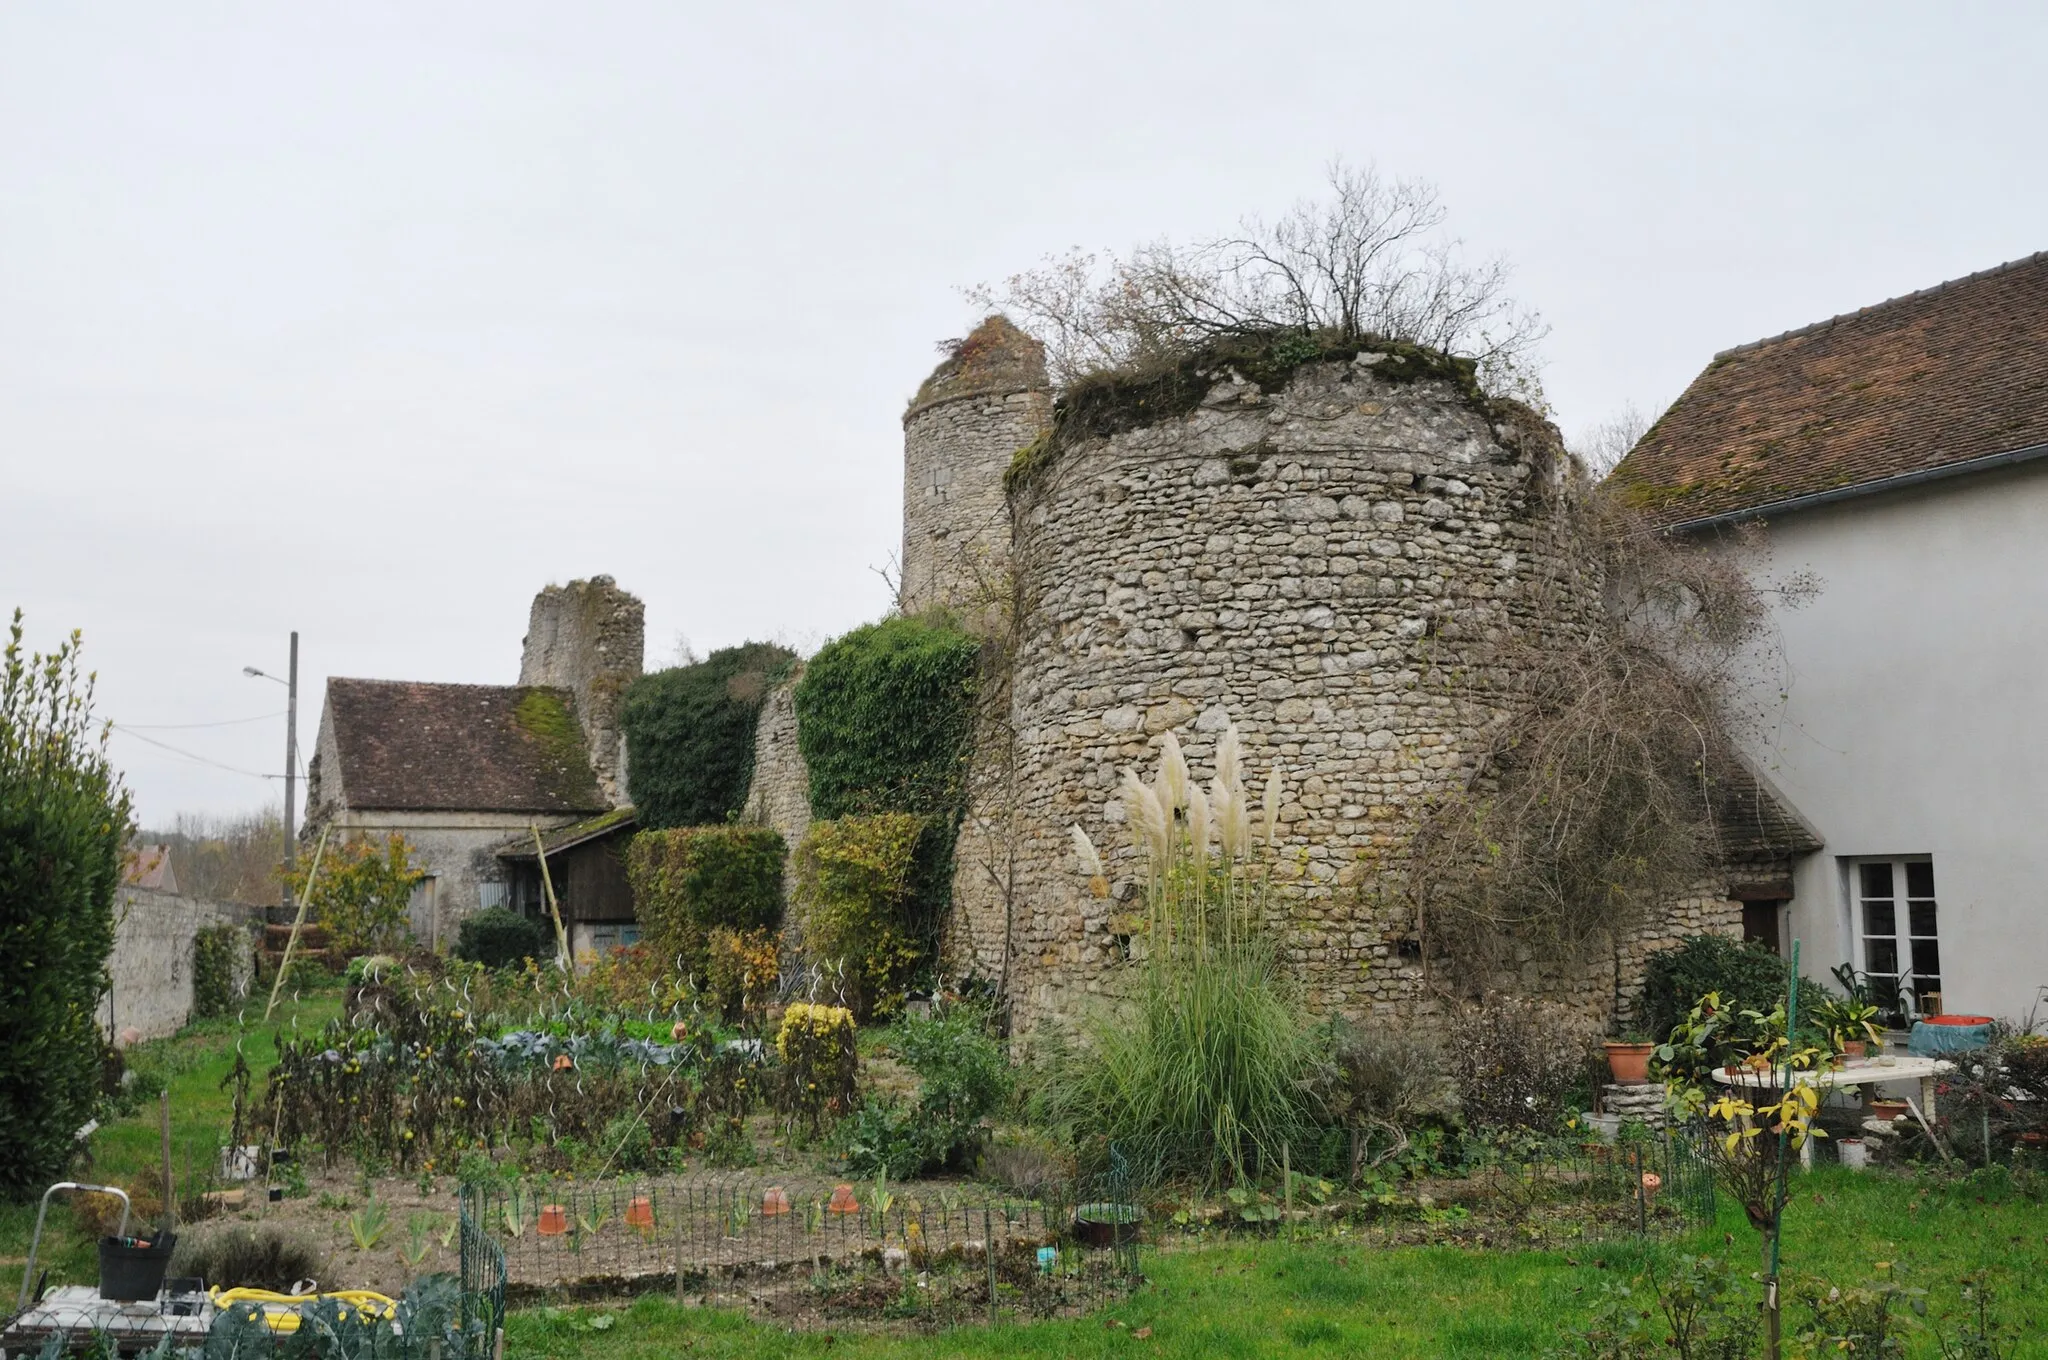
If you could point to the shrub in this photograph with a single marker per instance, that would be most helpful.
(361, 894)
(820, 1064)
(962, 1078)
(687, 880)
(741, 968)
(498, 938)
(1393, 1076)
(1518, 1065)
(216, 952)
(882, 1138)
(627, 1144)
(64, 820)
(1026, 1162)
(690, 734)
(856, 879)
(242, 1256)
(1749, 977)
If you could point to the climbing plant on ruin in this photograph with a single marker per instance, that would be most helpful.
(690, 734)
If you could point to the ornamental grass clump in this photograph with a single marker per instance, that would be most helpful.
(1209, 1076)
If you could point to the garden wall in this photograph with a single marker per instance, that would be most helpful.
(151, 965)
(1333, 565)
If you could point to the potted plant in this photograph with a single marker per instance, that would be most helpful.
(1628, 1057)
(1850, 1024)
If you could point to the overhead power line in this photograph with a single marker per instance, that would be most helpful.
(225, 722)
(192, 755)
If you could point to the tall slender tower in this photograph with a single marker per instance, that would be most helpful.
(988, 399)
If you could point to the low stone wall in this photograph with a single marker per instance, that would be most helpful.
(152, 960)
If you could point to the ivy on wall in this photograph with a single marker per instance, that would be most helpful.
(885, 718)
(885, 721)
(690, 734)
(688, 881)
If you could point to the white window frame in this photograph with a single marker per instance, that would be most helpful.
(1914, 983)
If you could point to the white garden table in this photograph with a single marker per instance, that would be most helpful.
(1866, 1072)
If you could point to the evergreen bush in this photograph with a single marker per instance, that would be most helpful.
(689, 880)
(214, 953)
(498, 938)
(1749, 977)
(690, 734)
(857, 879)
(64, 819)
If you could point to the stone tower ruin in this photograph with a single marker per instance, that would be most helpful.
(987, 400)
(1331, 564)
(589, 637)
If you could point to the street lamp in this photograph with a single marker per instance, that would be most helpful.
(291, 756)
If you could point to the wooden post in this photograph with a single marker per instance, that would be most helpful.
(1287, 1185)
(563, 959)
(284, 965)
(170, 1190)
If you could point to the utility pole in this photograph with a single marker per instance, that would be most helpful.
(291, 765)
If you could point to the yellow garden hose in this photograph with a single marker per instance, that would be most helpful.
(281, 1311)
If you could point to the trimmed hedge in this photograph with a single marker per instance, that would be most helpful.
(857, 885)
(498, 938)
(885, 719)
(64, 820)
(688, 880)
(1749, 977)
(690, 734)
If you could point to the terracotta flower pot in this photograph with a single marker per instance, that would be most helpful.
(774, 1202)
(554, 1220)
(1854, 1049)
(640, 1212)
(1889, 1109)
(1630, 1063)
(563, 1062)
(1652, 1183)
(842, 1201)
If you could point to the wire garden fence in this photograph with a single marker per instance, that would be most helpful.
(811, 1253)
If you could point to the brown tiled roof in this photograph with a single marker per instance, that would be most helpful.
(151, 868)
(415, 747)
(1922, 384)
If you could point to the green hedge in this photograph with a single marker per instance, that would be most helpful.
(64, 820)
(498, 938)
(690, 734)
(857, 885)
(687, 880)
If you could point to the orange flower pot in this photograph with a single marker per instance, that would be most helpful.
(775, 1202)
(678, 1032)
(640, 1212)
(842, 1201)
(1652, 1183)
(554, 1220)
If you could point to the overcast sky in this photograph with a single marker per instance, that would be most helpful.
(370, 319)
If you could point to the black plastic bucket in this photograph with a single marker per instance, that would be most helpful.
(1107, 1225)
(130, 1274)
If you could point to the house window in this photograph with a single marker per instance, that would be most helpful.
(1897, 935)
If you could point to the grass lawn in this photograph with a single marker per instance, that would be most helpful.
(195, 1061)
(1327, 1298)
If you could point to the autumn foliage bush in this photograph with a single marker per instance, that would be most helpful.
(856, 883)
(688, 881)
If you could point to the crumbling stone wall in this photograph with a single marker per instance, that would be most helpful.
(987, 400)
(589, 637)
(150, 971)
(779, 794)
(1331, 565)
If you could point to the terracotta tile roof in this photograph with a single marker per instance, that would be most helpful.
(406, 746)
(1917, 385)
(151, 868)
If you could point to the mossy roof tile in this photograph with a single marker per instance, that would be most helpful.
(416, 747)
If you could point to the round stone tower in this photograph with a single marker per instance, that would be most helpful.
(1331, 564)
(988, 399)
